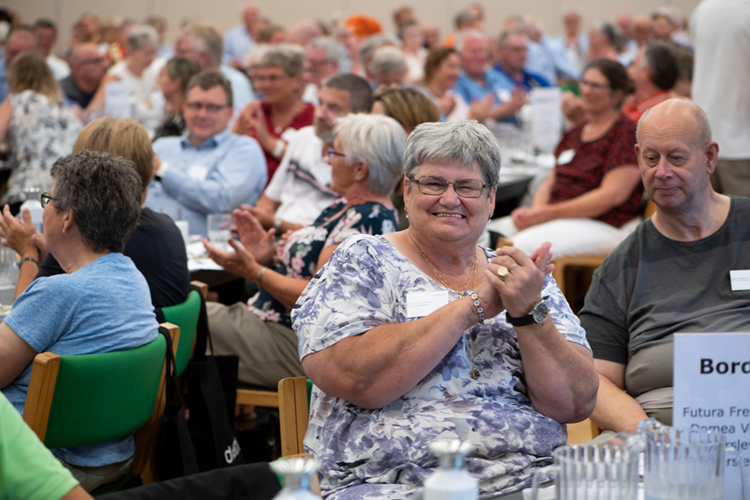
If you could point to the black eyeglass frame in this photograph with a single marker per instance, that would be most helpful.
(333, 152)
(45, 198)
(419, 186)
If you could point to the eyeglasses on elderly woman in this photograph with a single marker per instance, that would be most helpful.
(46, 198)
(465, 188)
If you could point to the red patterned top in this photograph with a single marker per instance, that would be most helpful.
(592, 161)
(303, 119)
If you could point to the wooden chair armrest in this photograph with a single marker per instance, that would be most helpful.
(202, 286)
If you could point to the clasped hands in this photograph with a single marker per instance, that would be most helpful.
(255, 250)
(521, 289)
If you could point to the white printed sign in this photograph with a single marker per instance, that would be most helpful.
(712, 391)
(546, 122)
(117, 100)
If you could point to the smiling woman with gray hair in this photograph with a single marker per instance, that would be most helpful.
(421, 335)
(272, 121)
(365, 166)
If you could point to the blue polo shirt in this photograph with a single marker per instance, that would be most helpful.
(471, 89)
(507, 82)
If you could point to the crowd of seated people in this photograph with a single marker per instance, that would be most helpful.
(361, 167)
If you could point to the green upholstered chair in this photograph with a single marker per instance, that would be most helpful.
(93, 398)
(185, 316)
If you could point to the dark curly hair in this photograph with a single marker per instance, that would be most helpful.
(104, 192)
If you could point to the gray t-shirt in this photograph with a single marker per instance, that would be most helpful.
(651, 287)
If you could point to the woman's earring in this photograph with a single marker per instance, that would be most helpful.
(407, 216)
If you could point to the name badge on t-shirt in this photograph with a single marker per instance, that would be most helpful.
(198, 172)
(740, 279)
(419, 304)
(566, 156)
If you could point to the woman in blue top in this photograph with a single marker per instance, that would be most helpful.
(102, 303)
(365, 167)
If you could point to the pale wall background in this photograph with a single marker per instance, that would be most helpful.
(225, 13)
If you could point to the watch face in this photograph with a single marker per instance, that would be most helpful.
(540, 312)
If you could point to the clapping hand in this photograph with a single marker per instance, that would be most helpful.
(259, 242)
(21, 236)
(240, 262)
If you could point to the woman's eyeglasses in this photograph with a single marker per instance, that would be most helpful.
(593, 85)
(333, 152)
(46, 199)
(465, 188)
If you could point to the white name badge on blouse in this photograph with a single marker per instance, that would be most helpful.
(198, 172)
(420, 304)
(566, 156)
(740, 279)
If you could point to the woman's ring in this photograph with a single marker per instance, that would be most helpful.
(502, 271)
(513, 266)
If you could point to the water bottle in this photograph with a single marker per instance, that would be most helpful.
(36, 210)
(450, 482)
(296, 473)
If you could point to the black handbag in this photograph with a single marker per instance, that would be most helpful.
(212, 392)
(175, 455)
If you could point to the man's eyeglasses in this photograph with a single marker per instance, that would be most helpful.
(210, 108)
(465, 188)
(92, 60)
(594, 85)
(269, 78)
(46, 199)
(333, 152)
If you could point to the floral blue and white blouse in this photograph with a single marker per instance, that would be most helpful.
(383, 453)
(299, 256)
(40, 132)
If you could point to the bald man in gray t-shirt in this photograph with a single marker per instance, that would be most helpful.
(671, 275)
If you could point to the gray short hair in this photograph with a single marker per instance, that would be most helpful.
(388, 60)
(209, 79)
(142, 36)
(377, 141)
(665, 68)
(104, 192)
(465, 142)
(464, 35)
(205, 36)
(331, 46)
(375, 41)
(360, 92)
(287, 56)
(502, 38)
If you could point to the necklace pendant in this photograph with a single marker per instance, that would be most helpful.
(475, 374)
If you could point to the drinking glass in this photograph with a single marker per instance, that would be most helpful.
(682, 464)
(219, 230)
(588, 471)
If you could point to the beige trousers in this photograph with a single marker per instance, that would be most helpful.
(267, 350)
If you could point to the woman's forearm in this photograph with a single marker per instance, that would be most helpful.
(377, 367)
(541, 197)
(560, 374)
(615, 189)
(283, 288)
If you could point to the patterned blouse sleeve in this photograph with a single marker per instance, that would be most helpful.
(351, 295)
(623, 146)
